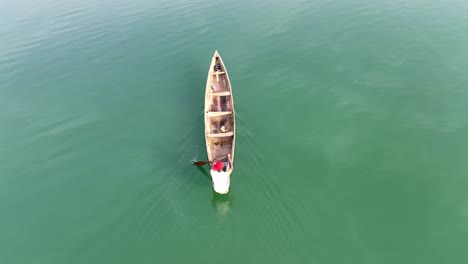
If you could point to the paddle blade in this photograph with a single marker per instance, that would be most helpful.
(200, 163)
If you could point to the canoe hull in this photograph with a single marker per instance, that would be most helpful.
(219, 112)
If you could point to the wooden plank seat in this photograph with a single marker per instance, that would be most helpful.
(227, 134)
(214, 114)
(221, 93)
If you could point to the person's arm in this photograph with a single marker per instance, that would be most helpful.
(230, 161)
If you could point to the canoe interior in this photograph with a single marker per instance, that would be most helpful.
(219, 147)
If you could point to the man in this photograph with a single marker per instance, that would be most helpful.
(220, 174)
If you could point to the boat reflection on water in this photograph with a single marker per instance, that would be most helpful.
(222, 203)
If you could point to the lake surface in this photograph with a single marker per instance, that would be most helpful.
(352, 132)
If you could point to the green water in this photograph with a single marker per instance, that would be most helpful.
(352, 132)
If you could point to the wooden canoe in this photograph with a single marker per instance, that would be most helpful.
(220, 128)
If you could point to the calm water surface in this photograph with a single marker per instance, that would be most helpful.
(352, 132)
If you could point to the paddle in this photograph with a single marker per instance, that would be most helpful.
(199, 163)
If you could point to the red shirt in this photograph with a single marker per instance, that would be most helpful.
(218, 166)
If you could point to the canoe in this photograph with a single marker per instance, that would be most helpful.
(220, 129)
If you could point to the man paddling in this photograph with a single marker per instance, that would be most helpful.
(220, 174)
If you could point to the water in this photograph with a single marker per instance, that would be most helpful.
(351, 132)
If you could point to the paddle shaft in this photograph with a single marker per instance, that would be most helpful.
(202, 163)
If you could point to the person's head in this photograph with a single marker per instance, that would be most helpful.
(217, 166)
